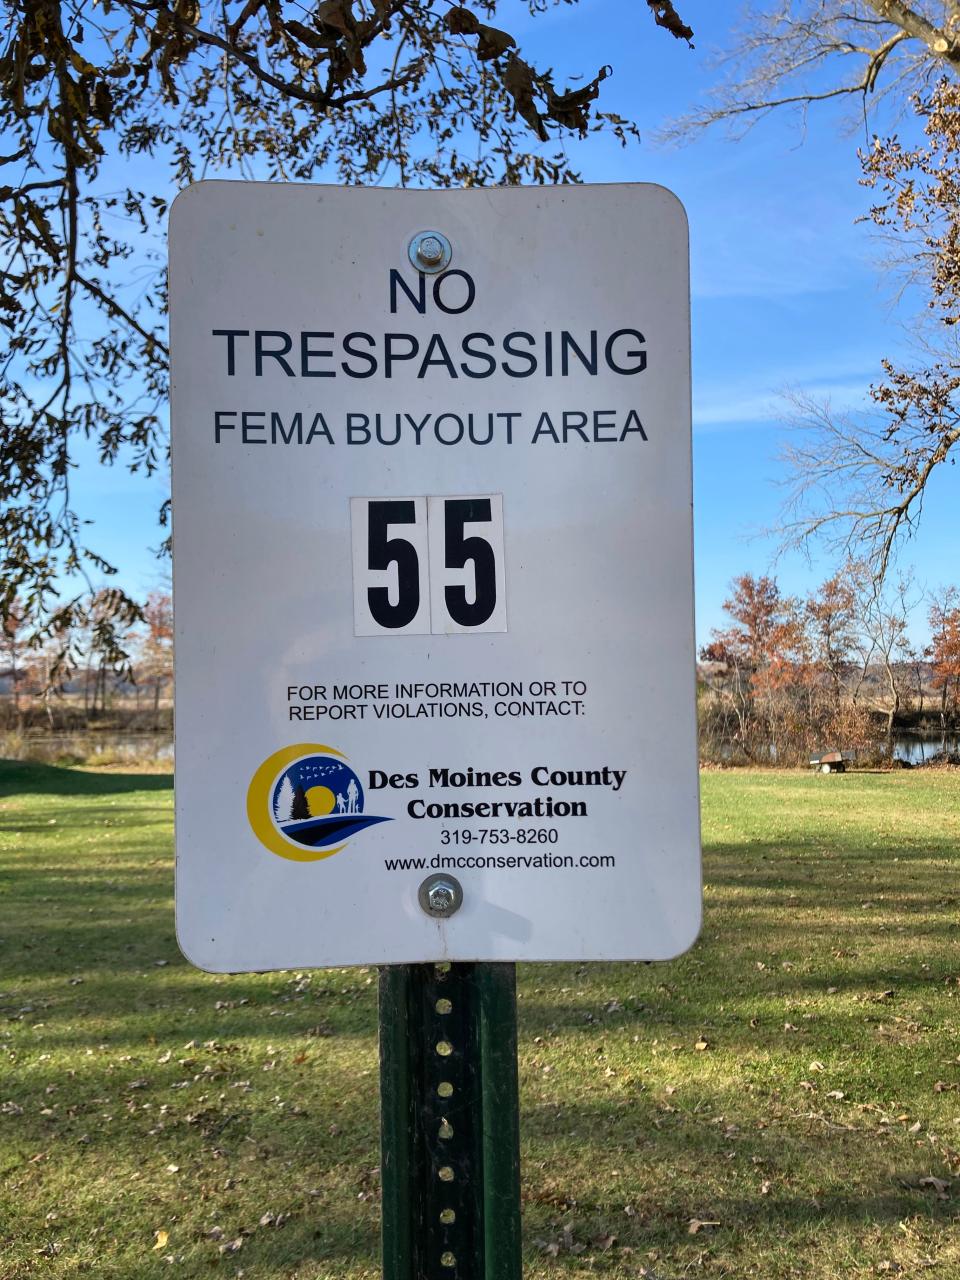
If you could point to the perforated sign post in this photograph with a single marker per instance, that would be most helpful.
(434, 615)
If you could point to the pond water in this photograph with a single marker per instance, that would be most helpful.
(915, 748)
(91, 747)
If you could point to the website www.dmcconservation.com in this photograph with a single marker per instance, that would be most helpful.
(500, 861)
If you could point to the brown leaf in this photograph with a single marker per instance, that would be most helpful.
(697, 1224)
(336, 14)
(570, 109)
(519, 83)
(247, 12)
(312, 39)
(493, 42)
(936, 1184)
(665, 15)
(461, 22)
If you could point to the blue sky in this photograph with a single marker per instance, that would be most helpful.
(785, 290)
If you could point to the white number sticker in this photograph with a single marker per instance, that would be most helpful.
(423, 565)
(466, 564)
(391, 591)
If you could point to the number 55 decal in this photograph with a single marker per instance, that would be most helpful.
(423, 565)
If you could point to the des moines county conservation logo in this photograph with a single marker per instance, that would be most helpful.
(305, 802)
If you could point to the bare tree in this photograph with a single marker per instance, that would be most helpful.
(883, 613)
(858, 481)
(798, 53)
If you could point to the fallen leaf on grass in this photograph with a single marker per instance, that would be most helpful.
(697, 1224)
(231, 1246)
(936, 1184)
(701, 1045)
(160, 1239)
(569, 1243)
(604, 1243)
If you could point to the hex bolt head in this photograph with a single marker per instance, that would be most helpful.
(430, 252)
(440, 896)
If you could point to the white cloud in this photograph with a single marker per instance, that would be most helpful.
(737, 406)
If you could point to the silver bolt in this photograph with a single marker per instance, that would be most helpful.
(430, 250)
(440, 896)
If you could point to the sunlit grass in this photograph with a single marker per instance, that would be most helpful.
(782, 1101)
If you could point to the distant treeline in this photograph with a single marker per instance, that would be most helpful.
(836, 670)
(787, 677)
(86, 673)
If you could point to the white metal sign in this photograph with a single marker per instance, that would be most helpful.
(433, 575)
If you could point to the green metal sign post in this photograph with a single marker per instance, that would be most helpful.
(450, 1129)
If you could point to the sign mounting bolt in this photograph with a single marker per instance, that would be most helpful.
(430, 252)
(440, 896)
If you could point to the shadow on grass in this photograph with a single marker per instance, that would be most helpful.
(19, 777)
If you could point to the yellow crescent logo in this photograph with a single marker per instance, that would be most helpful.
(258, 803)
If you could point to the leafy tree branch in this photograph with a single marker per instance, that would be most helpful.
(425, 92)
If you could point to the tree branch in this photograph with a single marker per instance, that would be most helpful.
(919, 28)
(288, 88)
(120, 313)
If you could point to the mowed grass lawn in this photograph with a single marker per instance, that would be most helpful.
(782, 1101)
